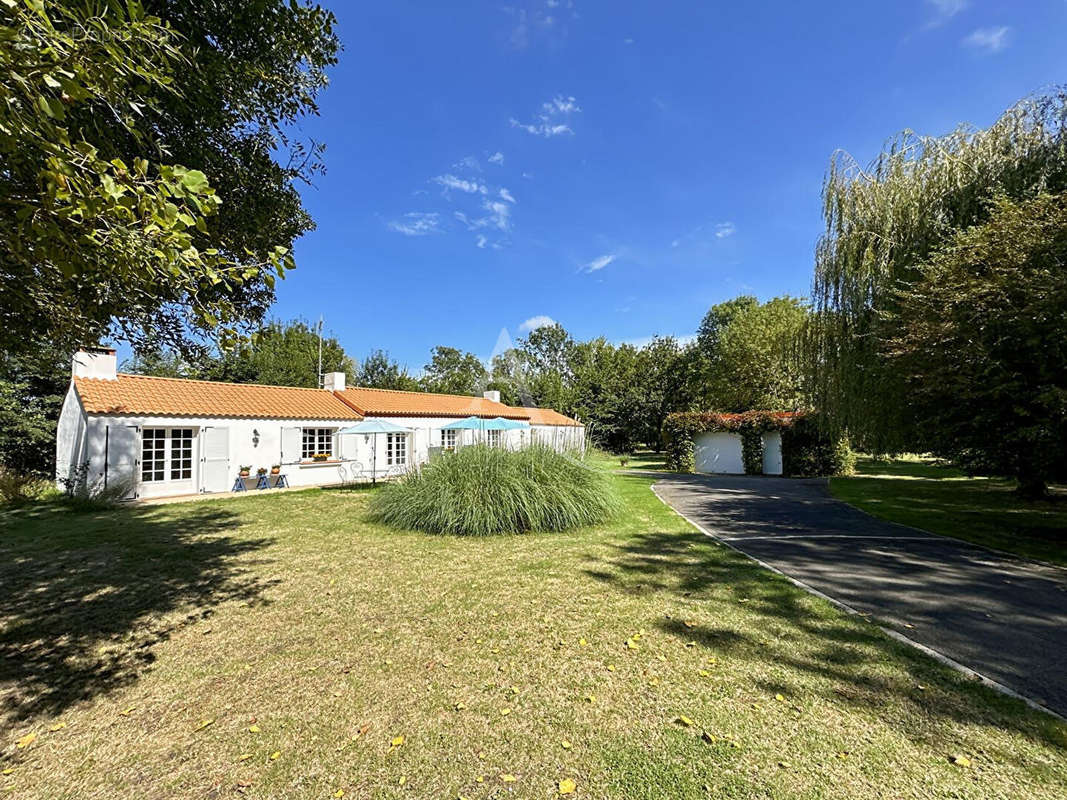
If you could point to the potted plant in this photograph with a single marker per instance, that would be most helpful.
(275, 469)
(320, 456)
(245, 471)
(261, 471)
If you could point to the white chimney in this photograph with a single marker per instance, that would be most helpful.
(334, 381)
(95, 362)
(492, 394)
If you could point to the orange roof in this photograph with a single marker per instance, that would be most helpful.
(546, 416)
(394, 403)
(178, 397)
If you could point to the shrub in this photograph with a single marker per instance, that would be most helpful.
(480, 490)
(17, 488)
(807, 451)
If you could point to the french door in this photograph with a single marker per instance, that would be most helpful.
(167, 462)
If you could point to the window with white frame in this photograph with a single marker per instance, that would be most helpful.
(166, 454)
(494, 438)
(396, 449)
(181, 454)
(316, 442)
(448, 440)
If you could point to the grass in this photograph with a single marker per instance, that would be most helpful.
(180, 647)
(639, 460)
(923, 494)
(480, 490)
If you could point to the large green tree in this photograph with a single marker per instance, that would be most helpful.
(981, 342)
(885, 222)
(452, 371)
(748, 353)
(379, 371)
(147, 182)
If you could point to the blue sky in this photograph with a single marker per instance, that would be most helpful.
(618, 167)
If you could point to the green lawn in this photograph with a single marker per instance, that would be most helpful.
(920, 493)
(640, 460)
(280, 646)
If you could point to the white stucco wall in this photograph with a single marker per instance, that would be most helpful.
(111, 444)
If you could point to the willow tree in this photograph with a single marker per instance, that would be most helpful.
(883, 222)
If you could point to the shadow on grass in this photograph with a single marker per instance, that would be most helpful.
(851, 662)
(87, 596)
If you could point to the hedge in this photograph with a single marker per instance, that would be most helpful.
(806, 452)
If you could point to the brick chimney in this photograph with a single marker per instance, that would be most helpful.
(95, 362)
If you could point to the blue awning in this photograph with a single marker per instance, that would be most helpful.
(476, 424)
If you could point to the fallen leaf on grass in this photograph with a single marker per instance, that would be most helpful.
(244, 757)
(127, 711)
(204, 723)
(611, 667)
(590, 698)
(565, 745)
(57, 727)
(582, 642)
(397, 741)
(275, 755)
(960, 761)
(780, 698)
(460, 706)
(253, 729)
(26, 740)
(632, 645)
(567, 786)
(508, 778)
(710, 738)
(402, 781)
(7, 771)
(505, 711)
(339, 793)
(684, 720)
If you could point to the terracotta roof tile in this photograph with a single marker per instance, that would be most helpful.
(392, 403)
(546, 416)
(178, 397)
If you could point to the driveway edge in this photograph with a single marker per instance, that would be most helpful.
(893, 634)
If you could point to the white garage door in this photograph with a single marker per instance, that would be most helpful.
(718, 452)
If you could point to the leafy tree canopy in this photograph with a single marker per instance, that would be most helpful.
(451, 371)
(885, 222)
(981, 340)
(379, 371)
(140, 189)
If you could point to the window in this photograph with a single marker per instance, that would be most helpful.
(396, 449)
(448, 440)
(316, 441)
(494, 438)
(181, 454)
(153, 454)
(166, 454)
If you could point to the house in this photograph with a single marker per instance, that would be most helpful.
(172, 436)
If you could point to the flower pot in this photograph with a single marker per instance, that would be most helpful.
(244, 473)
(276, 471)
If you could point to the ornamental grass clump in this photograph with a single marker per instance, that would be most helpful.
(480, 490)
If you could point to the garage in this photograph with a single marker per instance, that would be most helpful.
(718, 453)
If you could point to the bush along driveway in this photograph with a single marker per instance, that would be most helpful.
(1003, 617)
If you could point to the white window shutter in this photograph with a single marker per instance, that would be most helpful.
(292, 439)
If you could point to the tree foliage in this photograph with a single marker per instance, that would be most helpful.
(379, 371)
(750, 355)
(883, 224)
(980, 340)
(452, 371)
(139, 187)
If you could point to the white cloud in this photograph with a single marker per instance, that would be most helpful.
(991, 40)
(506, 195)
(944, 10)
(627, 41)
(498, 216)
(452, 182)
(533, 323)
(599, 263)
(416, 223)
(724, 229)
(550, 121)
(468, 162)
(481, 241)
(497, 158)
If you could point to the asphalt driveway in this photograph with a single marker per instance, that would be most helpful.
(1003, 617)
